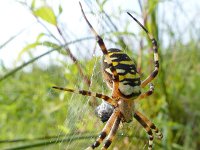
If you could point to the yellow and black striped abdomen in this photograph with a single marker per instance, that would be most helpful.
(129, 79)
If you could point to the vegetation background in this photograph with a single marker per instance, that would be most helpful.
(34, 116)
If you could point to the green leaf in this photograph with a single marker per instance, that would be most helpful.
(39, 37)
(30, 46)
(51, 45)
(46, 13)
(33, 4)
(35, 44)
(27, 48)
(60, 9)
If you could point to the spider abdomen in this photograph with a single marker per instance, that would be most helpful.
(129, 79)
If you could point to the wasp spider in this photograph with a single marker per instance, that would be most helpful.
(120, 74)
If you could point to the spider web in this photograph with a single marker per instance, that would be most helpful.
(82, 126)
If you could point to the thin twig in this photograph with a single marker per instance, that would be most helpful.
(74, 59)
(40, 56)
(12, 38)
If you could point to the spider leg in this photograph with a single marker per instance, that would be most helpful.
(105, 52)
(148, 126)
(88, 93)
(112, 134)
(148, 93)
(155, 49)
(113, 119)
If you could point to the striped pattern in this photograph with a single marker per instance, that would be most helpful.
(155, 129)
(129, 80)
(155, 50)
(88, 93)
(148, 93)
(107, 128)
(112, 134)
(148, 126)
(151, 125)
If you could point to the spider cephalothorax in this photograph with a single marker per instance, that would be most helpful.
(120, 74)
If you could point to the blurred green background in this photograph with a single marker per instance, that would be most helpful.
(35, 116)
